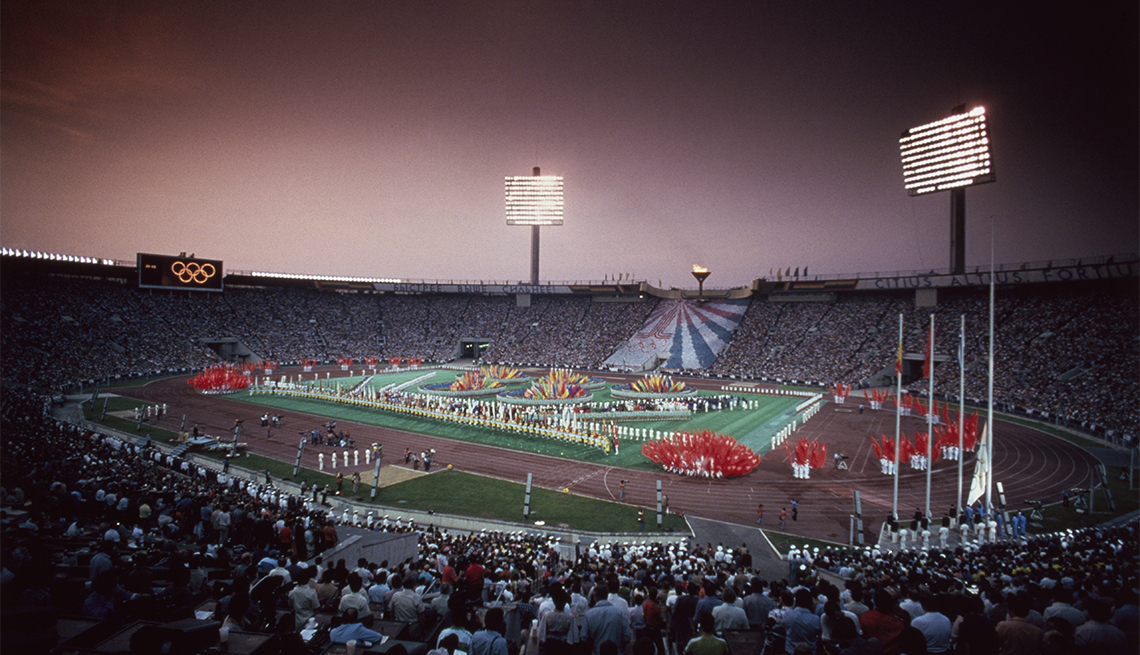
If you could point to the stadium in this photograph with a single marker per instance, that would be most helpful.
(275, 380)
(114, 356)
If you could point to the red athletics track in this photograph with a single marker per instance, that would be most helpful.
(1031, 465)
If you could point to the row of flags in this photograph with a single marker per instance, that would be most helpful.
(811, 454)
(928, 359)
(781, 274)
(944, 436)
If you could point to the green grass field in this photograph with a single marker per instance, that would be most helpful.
(450, 492)
(465, 494)
(94, 412)
(753, 428)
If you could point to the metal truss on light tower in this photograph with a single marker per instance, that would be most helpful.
(536, 201)
(949, 155)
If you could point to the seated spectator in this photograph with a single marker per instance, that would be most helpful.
(102, 560)
(327, 593)
(303, 599)
(846, 640)
(353, 596)
(378, 589)
(975, 633)
(727, 616)
(1098, 636)
(801, 624)
(439, 603)
(933, 624)
(105, 597)
(1063, 607)
(461, 623)
(1127, 616)
(1016, 635)
(883, 622)
(176, 601)
(707, 643)
(408, 606)
(490, 640)
(447, 646)
(557, 629)
(236, 615)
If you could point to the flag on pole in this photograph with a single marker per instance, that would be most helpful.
(927, 365)
(980, 482)
(898, 359)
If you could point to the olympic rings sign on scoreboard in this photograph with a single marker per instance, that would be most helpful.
(192, 271)
(166, 272)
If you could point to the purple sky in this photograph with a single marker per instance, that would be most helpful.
(372, 138)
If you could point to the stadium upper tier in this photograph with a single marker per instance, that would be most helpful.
(1067, 350)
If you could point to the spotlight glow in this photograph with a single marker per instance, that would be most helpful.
(945, 154)
(534, 200)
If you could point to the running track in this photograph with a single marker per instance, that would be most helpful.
(1032, 465)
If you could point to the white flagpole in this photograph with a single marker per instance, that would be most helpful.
(898, 419)
(961, 407)
(990, 417)
(981, 467)
(930, 419)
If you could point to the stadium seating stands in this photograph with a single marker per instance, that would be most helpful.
(1065, 353)
(103, 533)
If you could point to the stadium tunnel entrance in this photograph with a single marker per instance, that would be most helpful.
(230, 349)
(472, 348)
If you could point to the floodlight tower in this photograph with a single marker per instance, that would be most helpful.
(949, 155)
(535, 201)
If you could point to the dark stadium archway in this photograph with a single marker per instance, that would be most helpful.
(472, 348)
(230, 349)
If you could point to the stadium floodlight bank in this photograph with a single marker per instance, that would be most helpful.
(947, 154)
(534, 200)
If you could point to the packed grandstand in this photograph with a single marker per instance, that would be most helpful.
(102, 534)
(1068, 351)
(124, 538)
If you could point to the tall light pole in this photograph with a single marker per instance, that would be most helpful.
(534, 200)
(949, 155)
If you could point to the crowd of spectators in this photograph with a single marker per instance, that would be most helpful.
(117, 531)
(1071, 355)
(810, 341)
(567, 332)
(1068, 354)
(1071, 592)
(98, 527)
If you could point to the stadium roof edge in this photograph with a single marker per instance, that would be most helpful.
(1118, 266)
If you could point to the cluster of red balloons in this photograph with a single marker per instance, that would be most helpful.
(220, 379)
(702, 454)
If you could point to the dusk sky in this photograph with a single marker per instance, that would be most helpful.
(371, 138)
